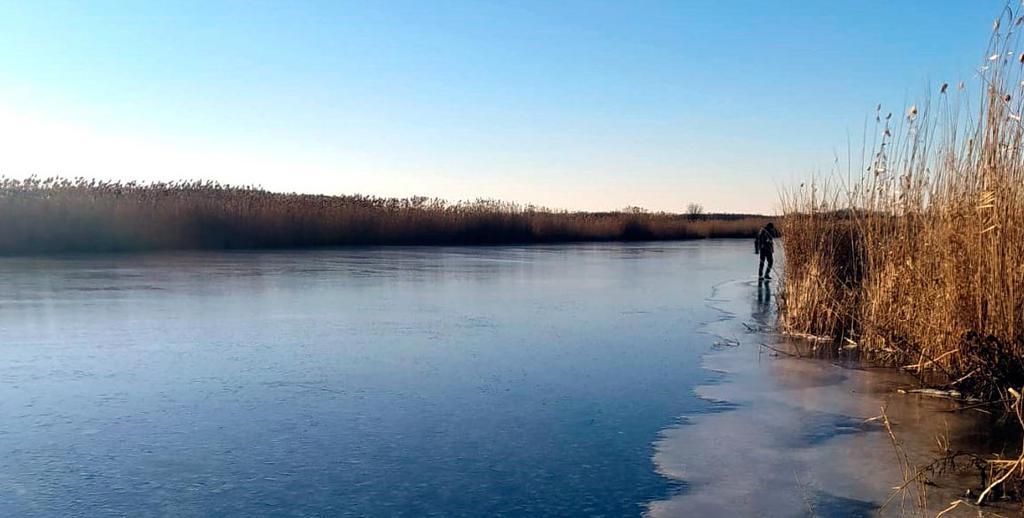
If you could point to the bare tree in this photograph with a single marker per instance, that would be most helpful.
(695, 211)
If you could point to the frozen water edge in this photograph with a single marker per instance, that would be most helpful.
(795, 439)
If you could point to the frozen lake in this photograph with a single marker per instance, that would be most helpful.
(590, 379)
(373, 381)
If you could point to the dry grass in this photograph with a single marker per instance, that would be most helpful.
(920, 258)
(58, 215)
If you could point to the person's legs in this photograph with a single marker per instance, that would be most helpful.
(760, 267)
(771, 261)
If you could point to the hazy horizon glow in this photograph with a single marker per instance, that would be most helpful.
(576, 105)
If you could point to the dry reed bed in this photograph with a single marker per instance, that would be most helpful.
(919, 257)
(58, 215)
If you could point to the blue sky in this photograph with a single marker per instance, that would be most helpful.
(582, 105)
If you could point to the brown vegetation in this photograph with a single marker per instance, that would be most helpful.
(920, 259)
(58, 215)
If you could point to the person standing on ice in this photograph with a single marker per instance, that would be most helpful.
(764, 246)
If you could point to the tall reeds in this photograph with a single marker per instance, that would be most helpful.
(919, 258)
(59, 215)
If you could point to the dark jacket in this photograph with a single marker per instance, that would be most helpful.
(764, 242)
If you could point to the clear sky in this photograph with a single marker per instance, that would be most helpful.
(571, 104)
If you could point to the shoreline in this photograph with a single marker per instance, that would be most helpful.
(352, 247)
(794, 435)
(58, 215)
